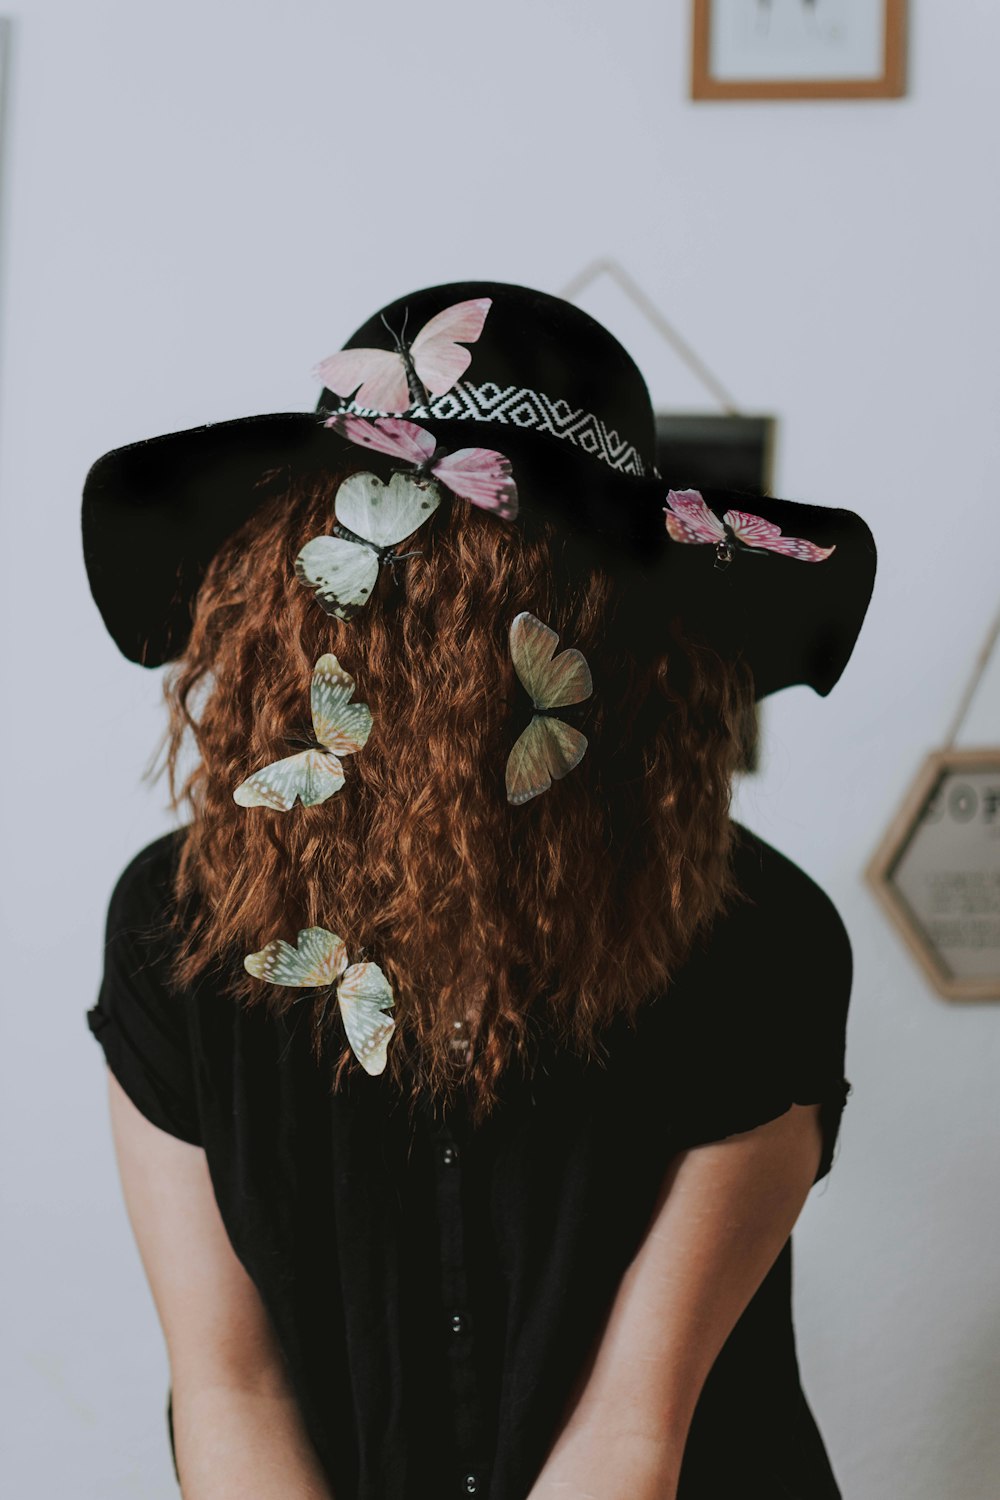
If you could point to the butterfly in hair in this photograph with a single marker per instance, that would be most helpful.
(371, 518)
(391, 381)
(319, 959)
(548, 748)
(341, 728)
(690, 520)
(480, 475)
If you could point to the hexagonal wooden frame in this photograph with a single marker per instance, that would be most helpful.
(897, 838)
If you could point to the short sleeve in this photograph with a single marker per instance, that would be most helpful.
(759, 1022)
(139, 1019)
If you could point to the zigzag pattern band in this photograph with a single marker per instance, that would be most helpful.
(521, 407)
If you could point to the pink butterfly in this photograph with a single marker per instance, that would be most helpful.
(690, 520)
(395, 380)
(476, 474)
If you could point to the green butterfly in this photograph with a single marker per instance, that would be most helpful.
(548, 748)
(373, 517)
(363, 992)
(341, 727)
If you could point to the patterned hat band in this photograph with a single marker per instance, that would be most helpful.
(519, 406)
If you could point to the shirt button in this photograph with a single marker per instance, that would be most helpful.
(449, 1156)
(471, 1484)
(457, 1323)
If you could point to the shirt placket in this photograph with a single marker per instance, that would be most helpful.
(472, 1466)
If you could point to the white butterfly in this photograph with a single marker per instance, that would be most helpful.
(342, 569)
(318, 959)
(548, 748)
(341, 727)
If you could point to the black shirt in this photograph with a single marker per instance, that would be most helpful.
(435, 1290)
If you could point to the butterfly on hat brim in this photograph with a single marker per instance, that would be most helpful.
(548, 748)
(480, 475)
(393, 380)
(313, 775)
(690, 520)
(342, 570)
(319, 959)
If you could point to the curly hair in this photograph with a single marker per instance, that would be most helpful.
(555, 916)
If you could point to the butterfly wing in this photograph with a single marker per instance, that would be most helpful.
(380, 373)
(318, 958)
(385, 435)
(690, 520)
(363, 993)
(312, 776)
(339, 724)
(754, 531)
(384, 513)
(549, 681)
(437, 355)
(341, 573)
(481, 476)
(542, 753)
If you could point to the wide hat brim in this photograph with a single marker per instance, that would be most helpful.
(156, 512)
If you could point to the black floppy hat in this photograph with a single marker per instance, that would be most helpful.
(557, 394)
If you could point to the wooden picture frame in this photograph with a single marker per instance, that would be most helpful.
(943, 894)
(713, 77)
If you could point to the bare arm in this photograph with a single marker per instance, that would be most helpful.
(237, 1428)
(722, 1217)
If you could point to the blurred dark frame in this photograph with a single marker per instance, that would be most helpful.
(715, 452)
(718, 452)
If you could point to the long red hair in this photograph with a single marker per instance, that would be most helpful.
(563, 912)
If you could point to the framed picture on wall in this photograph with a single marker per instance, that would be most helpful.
(798, 49)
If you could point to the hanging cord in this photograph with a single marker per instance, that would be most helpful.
(608, 267)
(988, 647)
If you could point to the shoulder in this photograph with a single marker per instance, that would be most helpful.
(140, 932)
(784, 959)
(141, 906)
(757, 1019)
(781, 908)
(140, 1018)
(146, 882)
(774, 966)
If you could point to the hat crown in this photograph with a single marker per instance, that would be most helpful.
(539, 362)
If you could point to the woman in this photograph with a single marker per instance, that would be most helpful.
(470, 1065)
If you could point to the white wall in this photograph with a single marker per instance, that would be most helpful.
(204, 198)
